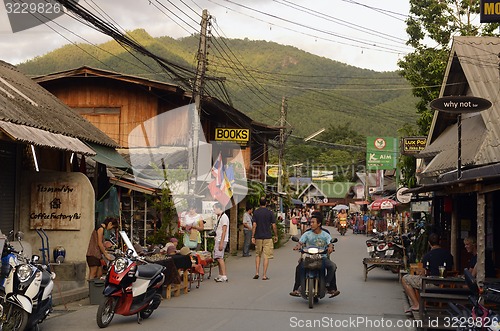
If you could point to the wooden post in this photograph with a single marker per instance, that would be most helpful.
(454, 237)
(480, 266)
(233, 226)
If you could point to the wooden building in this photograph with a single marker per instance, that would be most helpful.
(152, 123)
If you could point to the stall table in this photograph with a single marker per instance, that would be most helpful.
(371, 263)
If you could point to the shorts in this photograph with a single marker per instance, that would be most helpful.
(219, 254)
(264, 246)
(93, 261)
(415, 281)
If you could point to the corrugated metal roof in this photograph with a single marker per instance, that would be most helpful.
(472, 70)
(22, 101)
(44, 138)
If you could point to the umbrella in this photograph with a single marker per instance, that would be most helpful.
(297, 202)
(382, 204)
(340, 207)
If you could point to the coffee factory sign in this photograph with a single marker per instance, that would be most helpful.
(55, 206)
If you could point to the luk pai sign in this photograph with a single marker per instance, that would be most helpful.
(490, 11)
(55, 206)
(381, 153)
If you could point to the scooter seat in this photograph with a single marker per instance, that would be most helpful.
(149, 270)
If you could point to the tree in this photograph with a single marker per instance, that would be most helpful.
(431, 26)
(407, 163)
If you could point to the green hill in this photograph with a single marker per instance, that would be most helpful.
(320, 92)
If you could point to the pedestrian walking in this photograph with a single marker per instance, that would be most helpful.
(247, 230)
(263, 221)
(221, 239)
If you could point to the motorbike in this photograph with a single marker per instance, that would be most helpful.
(27, 288)
(132, 286)
(313, 286)
(343, 228)
(479, 317)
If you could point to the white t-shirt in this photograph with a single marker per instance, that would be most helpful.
(192, 220)
(224, 220)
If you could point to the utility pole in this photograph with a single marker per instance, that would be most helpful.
(281, 149)
(198, 96)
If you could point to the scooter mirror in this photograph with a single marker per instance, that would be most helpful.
(35, 258)
(333, 241)
(20, 235)
(296, 239)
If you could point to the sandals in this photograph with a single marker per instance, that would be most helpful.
(295, 294)
(256, 277)
(265, 278)
(411, 309)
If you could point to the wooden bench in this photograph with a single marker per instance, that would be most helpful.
(371, 263)
(434, 297)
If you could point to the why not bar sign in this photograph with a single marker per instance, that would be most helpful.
(490, 11)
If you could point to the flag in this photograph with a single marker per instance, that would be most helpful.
(218, 170)
(226, 187)
(229, 172)
(218, 194)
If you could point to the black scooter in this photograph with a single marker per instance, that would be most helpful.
(313, 286)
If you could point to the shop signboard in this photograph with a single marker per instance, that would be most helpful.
(413, 145)
(381, 153)
(55, 206)
(490, 11)
(236, 135)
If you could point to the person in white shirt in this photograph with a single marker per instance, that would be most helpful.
(221, 239)
(192, 225)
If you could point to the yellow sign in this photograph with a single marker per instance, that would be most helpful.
(237, 135)
(273, 172)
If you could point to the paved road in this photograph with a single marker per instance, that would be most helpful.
(247, 304)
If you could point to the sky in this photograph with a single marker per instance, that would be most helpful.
(367, 34)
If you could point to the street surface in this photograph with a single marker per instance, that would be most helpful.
(246, 304)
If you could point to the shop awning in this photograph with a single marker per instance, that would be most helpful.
(43, 138)
(108, 156)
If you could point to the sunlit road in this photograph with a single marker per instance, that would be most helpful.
(247, 304)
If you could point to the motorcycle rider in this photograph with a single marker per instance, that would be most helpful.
(342, 219)
(319, 238)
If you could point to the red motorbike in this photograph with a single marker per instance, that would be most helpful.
(132, 287)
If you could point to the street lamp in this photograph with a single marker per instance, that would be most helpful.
(314, 134)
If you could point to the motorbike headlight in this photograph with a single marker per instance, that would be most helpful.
(23, 272)
(120, 264)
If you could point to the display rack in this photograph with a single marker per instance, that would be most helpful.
(136, 220)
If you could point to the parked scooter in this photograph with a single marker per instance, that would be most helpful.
(313, 286)
(27, 289)
(479, 317)
(132, 287)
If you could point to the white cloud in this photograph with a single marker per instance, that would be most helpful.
(236, 23)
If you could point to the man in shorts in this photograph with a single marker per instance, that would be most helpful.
(221, 239)
(435, 258)
(262, 237)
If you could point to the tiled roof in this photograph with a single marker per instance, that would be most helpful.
(22, 101)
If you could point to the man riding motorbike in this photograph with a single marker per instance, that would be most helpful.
(342, 219)
(320, 238)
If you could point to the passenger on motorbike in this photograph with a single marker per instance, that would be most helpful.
(319, 238)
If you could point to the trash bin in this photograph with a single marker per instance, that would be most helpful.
(96, 287)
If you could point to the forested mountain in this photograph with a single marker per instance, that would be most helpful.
(256, 75)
